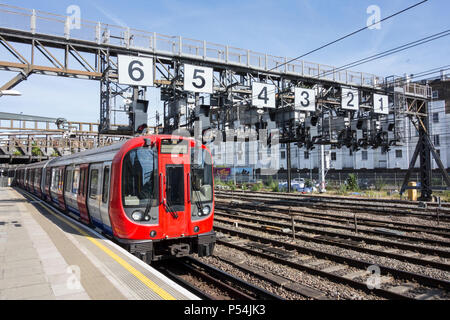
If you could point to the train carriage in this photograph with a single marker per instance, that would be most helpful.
(153, 194)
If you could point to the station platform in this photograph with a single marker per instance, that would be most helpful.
(47, 256)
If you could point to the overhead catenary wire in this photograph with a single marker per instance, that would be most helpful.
(380, 55)
(351, 34)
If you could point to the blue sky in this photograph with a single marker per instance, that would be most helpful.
(282, 28)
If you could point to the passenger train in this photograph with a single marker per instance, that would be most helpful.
(154, 195)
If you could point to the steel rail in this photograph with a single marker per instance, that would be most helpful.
(334, 242)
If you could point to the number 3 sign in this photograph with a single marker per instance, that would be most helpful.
(135, 71)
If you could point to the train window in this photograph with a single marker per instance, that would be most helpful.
(140, 178)
(61, 180)
(80, 190)
(175, 187)
(93, 186)
(201, 175)
(75, 180)
(48, 179)
(105, 185)
(68, 182)
(172, 146)
(55, 177)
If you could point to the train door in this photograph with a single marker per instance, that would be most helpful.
(69, 196)
(61, 202)
(173, 176)
(82, 190)
(104, 203)
(94, 194)
(47, 183)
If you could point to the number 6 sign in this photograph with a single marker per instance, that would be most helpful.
(135, 71)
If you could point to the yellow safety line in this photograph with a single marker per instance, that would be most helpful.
(149, 283)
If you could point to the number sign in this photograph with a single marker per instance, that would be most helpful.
(263, 95)
(198, 79)
(350, 99)
(135, 71)
(380, 104)
(305, 99)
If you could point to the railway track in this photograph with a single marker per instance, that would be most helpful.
(356, 243)
(327, 197)
(370, 236)
(211, 283)
(381, 208)
(393, 283)
(336, 218)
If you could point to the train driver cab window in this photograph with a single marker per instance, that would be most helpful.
(93, 186)
(140, 178)
(201, 175)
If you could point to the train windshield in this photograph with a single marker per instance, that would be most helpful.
(201, 175)
(140, 178)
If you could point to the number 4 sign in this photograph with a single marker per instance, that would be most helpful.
(263, 95)
(135, 71)
(380, 104)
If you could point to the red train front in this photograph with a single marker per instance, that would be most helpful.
(153, 194)
(163, 192)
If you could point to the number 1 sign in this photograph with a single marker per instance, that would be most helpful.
(380, 104)
(135, 71)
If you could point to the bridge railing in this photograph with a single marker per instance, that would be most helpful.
(35, 21)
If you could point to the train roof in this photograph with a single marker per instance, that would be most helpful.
(101, 154)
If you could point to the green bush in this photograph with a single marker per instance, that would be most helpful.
(352, 183)
(343, 189)
(274, 186)
(257, 186)
(380, 184)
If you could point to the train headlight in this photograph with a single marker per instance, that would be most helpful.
(206, 210)
(137, 215)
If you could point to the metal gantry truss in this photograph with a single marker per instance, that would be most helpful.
(92, 53)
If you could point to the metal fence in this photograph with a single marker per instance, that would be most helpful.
(366, 180)
(40, 22)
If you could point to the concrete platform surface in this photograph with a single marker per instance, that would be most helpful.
(45, 255)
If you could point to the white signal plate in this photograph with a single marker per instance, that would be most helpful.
(263, 95)
(198, 79)
(135, 71)
(380, 104)
(350, 99)
(305, 99)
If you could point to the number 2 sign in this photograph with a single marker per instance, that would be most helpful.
(350, 99)
(135, 71)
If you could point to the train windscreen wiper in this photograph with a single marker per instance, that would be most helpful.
(170, 210)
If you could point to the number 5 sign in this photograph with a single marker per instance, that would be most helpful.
(135, 71)
(198, 79)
